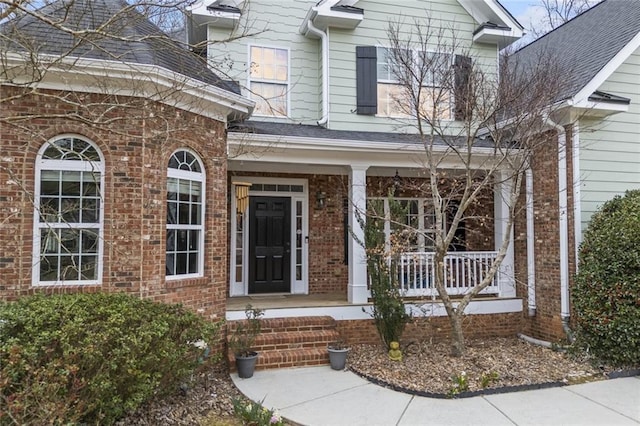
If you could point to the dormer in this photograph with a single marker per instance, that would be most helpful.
(497, 25)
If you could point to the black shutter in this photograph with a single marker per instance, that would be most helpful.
(366, 80)
(462, 71)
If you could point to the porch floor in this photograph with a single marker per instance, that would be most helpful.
(283, 301)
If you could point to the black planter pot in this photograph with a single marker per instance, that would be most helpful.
(246, 365)
(338, 358)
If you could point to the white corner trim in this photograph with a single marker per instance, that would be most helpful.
(607, 70)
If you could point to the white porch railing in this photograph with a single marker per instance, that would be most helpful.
(463, 270)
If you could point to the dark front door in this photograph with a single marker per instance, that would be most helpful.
(269, 245)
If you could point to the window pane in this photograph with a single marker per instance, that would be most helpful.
(50, 182)
(171, 240)
(90, 241)
(193, 240)
(48, 268)
(271, 98)
(69, 241)
(181, 263)
(49, 208)
(195, 214)
(90, 211)
(49, 241)
(183, 213)
(71, 183)
(70, 210)
(89, 270)
(193, 263)
(181, 240)
(69, 268)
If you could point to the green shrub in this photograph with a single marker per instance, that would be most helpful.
(606, 297)
(388, 310)
(93, 357)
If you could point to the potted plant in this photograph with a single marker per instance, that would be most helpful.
(242, 341)
(338, 352)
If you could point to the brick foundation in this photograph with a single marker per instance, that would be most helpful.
(436, 328)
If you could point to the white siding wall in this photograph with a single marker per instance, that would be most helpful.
(373, 31)
(610, 149)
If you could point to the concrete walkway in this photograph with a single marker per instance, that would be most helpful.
(321, 396)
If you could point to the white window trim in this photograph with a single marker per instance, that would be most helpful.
(288, 83)
(397, 83)
(66, 165)
(422, 212)
(192, 176)
(241, 288)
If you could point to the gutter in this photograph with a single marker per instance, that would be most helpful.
(325, 70)
(563, 221)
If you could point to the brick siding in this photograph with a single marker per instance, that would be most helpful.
(136, 146)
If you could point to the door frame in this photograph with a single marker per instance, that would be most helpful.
(239, 286)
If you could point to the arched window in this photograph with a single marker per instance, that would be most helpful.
(68, 213)
(185, 216)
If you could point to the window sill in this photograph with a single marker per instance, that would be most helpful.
(175, 282)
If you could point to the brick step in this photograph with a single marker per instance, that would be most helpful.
(276, 325)
(291, 342)
(288, 358)
(295, 340)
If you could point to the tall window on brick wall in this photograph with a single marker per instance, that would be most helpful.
(68, 213)
(407, 223)
(185, 216)
(269, 80)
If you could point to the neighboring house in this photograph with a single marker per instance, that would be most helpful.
(598, 53)
(113, 164)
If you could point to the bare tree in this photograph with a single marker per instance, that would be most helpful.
(111, 67)
(478, 132)
(557, 12)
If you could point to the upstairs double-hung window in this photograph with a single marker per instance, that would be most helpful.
(424, 73)
(269, 80)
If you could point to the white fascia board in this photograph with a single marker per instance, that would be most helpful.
(607, 70)
(212, 101)
(491, 11)
(287, 149)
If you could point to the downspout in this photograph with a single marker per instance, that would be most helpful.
(577, 208)
(531, 263)
(563, 223)
(325, 71)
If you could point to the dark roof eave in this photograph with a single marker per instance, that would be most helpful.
(491, 25)
(317, 132)
(599, 96)
(348, 9)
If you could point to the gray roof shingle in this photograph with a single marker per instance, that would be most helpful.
(123, 34)
(317, 132)
(584, 45)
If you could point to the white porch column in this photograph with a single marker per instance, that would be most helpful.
(501, 200)
(357, 291)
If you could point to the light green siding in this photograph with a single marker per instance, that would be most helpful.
(372, 31)
(276, 24)
(610, 149)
